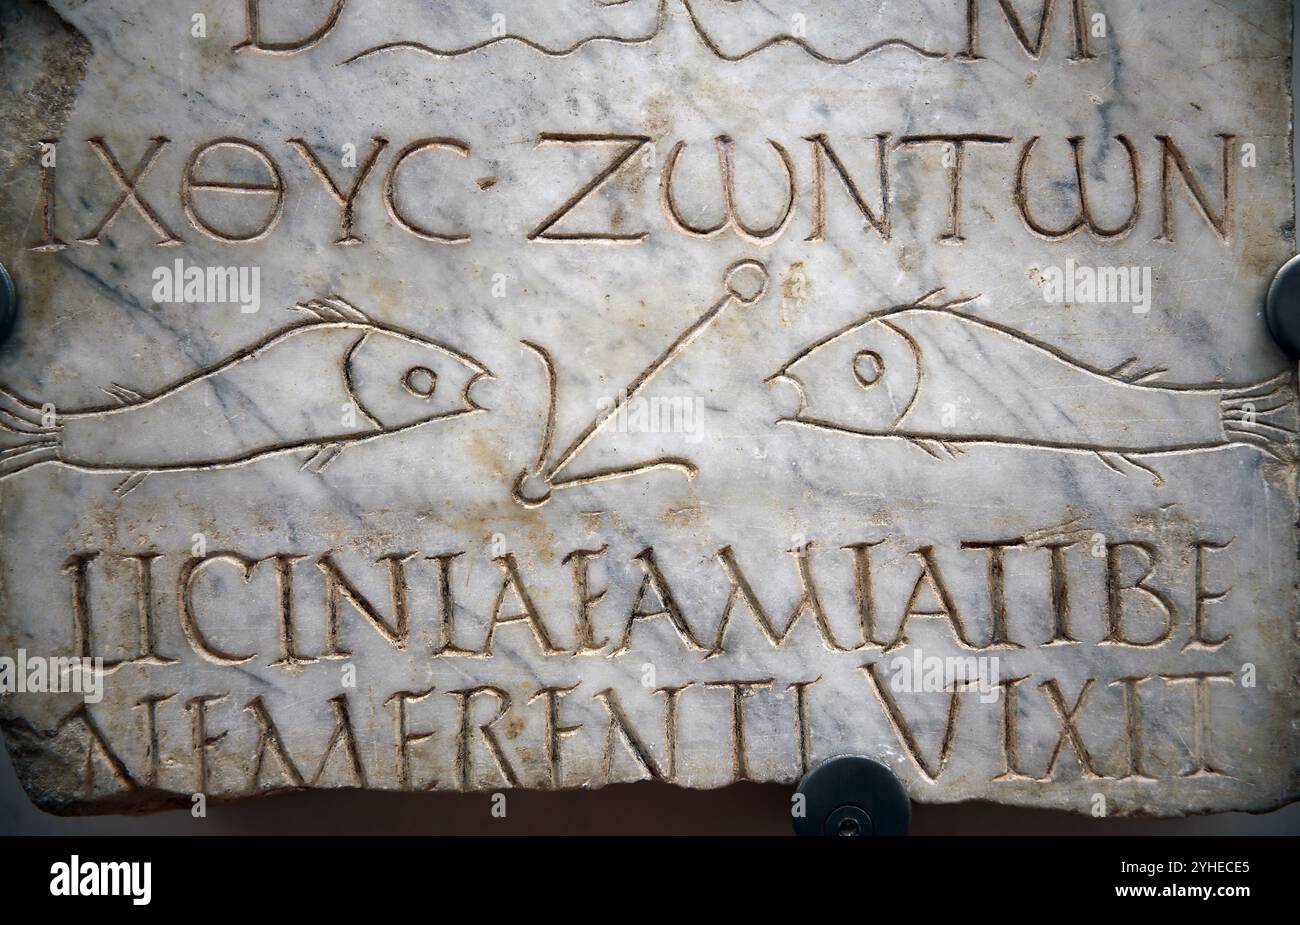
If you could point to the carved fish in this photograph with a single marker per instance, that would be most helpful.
(336, 379)
(941, 379)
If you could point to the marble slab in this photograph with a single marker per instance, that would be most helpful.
(473, 396)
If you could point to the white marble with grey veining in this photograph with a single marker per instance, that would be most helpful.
(982, 413)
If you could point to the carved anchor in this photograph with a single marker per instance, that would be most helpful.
(744, 283)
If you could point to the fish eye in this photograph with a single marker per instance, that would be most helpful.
(868, 367)
(420, 381)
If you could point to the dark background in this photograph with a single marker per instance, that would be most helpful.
(626, 809)
(622, 809)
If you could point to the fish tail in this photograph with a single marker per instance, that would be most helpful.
(1263, 416)
(28, 436)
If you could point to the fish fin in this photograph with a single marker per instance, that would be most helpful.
(25, 439)
(1268, 443)
(1119, 371)
(1115, 461)
(1125, 372)
(333, 309)
(122, 394)
(130, 483)
(1144, 376)
(322, 457)
(1263, 416)
(935, 447)
(347, 309)
(932, 294)
(19, 416)
(17, 459)
(1284, 380)
(1156, 478)
(1110, 461)
(926, 301)
(926, 446)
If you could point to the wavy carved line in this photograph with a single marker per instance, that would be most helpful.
(806, 46)
(560, 52)
(660, 20)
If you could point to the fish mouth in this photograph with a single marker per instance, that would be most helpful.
(786, 378)
(471, 404)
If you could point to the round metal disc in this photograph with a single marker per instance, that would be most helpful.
(850, 795)
(1283, 308)
(8, 304)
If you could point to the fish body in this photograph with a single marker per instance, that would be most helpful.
(932, 374)
(335, 379)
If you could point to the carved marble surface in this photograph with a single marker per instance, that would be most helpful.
(652, 325)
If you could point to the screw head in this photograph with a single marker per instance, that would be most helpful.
(1282, 311)
(8, 304)
(849, 822)
(853, 796)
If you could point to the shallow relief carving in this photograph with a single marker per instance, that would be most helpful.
(601, 417)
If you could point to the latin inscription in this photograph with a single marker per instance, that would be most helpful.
(672, 390)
